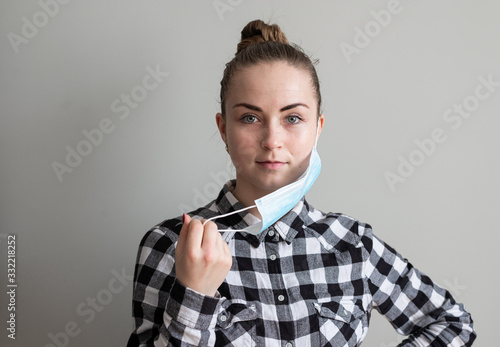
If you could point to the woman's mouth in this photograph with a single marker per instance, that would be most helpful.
(271, 164)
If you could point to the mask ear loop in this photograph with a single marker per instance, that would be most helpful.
(228, 214)
(317, 133)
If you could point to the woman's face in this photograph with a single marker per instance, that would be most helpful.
(270, 125)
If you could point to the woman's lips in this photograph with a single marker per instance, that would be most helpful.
(271, 165)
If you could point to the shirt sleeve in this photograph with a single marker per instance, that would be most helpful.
(165, 312)
(411, 301)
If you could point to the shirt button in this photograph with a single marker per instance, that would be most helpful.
(272, 257)
(223, 318)
(270, 233)
(288, 344)
(281, 297)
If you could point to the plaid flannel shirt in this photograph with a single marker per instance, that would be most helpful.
(311, 279)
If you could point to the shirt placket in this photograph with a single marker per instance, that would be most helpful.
(280, 295)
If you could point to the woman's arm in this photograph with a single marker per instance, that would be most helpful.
(411, 301)
(167, 313)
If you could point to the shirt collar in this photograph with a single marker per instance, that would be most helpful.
(287, 227)
(337, 232)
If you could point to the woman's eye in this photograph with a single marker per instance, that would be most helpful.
(293, 119)
(249, 118)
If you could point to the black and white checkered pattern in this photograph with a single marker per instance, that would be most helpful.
(311, 279)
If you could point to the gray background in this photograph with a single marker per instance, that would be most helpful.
(166, 156)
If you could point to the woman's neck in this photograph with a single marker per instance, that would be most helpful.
(247, 196)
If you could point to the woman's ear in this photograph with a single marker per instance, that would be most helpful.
(221, 124)
(321, 122)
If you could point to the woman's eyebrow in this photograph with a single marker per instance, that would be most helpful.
(249, 106)
(289, 107)
(258, 109)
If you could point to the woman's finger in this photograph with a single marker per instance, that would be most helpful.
(194, 235)
(210, 235)
(226, 249)
(181, 241)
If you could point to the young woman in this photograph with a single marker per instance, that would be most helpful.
(308, 279)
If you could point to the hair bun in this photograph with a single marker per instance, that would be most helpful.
(257, 31)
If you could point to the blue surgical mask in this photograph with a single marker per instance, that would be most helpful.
(275, 205)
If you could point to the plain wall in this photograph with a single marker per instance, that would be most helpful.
(63, 73)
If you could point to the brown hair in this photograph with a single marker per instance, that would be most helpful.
(261, 42)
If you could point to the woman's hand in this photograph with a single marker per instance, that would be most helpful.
(202, 257)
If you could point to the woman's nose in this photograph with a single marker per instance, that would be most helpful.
(272, 137)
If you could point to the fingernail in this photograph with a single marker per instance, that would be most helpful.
(183, 218)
